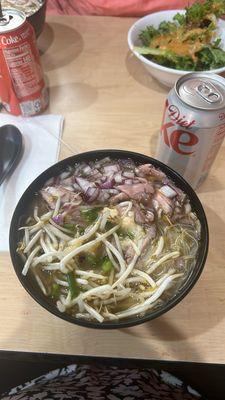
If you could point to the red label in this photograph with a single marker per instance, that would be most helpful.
(178, 138)
(22, 87)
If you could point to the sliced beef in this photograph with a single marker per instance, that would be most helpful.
(51, 193)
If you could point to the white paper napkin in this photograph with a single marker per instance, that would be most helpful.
(41, 137)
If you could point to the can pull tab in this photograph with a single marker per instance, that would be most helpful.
(4, 19)
(208, 92)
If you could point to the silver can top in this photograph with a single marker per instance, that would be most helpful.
(202, 91)
(11, 19)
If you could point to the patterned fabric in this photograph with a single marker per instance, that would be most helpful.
(103, 383)
(123, 8)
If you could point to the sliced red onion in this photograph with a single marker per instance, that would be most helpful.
(95, 174)
(118, 178)
(87, 170)
(84, 184)
(111, 169)
(179, 192)
(128, 174)
(64, 175)
(113, 191)
(58, 219)
(108, 184)
(76, 187)
(100, 163)
(91, 194)
(71, 188)
(103, 196)
(167, 191)
(67, 181)
(127, 163)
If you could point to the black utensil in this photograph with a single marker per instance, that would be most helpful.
(10, 149)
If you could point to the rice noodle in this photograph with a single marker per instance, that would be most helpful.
(52, 237)
(145, 276)
(118, 245)
(32, 228)
(43, 244)
(160, 280)
(93, 313)
(26, 236)
(109, 254)
(61, 307)
(90, 274)
(57, 207)
(134, 279)
(49, 244)
(104, 219)
(36, 214)
(51, 267)
(159, 248)
(116, 253)
(127, 272)
(32, 242)
(83, 316)
(154, 265)
(29, 260)
(136, 249)
(129, 206)
(40, 284)
(44, 257)
(58, 233)
(90, 232)
(109, 315)
(147, 304)
(86, 246)
(59, 227)
(96, 291)
(61, 282)
(46, 217)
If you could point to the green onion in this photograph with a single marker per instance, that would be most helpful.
(109, 225)
(55, 291)
(124, 234)
(74, 289)
(107, 265)
(91, 259)
(90, 215)
(71, 227)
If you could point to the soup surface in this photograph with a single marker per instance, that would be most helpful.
(110, 239)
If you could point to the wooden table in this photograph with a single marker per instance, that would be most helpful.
(109, 101)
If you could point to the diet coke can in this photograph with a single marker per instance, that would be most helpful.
(193, 125)
(22, 86)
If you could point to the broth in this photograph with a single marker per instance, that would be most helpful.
(110, 239)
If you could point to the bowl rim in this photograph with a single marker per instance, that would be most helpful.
(158, 66)
(58, 167)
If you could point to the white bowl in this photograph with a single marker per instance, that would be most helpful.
(167, 76)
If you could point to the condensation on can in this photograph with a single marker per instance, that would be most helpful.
(22, 86)
(193, 125)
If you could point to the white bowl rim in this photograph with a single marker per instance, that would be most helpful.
(158, 66)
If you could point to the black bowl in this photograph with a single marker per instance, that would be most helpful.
(20, 215)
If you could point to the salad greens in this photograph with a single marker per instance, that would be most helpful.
(189, 42)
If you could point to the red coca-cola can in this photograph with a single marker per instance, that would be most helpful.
(193, 125)
(22, 86)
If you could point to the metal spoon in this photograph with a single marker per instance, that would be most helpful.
(10, 149)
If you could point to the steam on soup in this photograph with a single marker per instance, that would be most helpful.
(110, 239)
